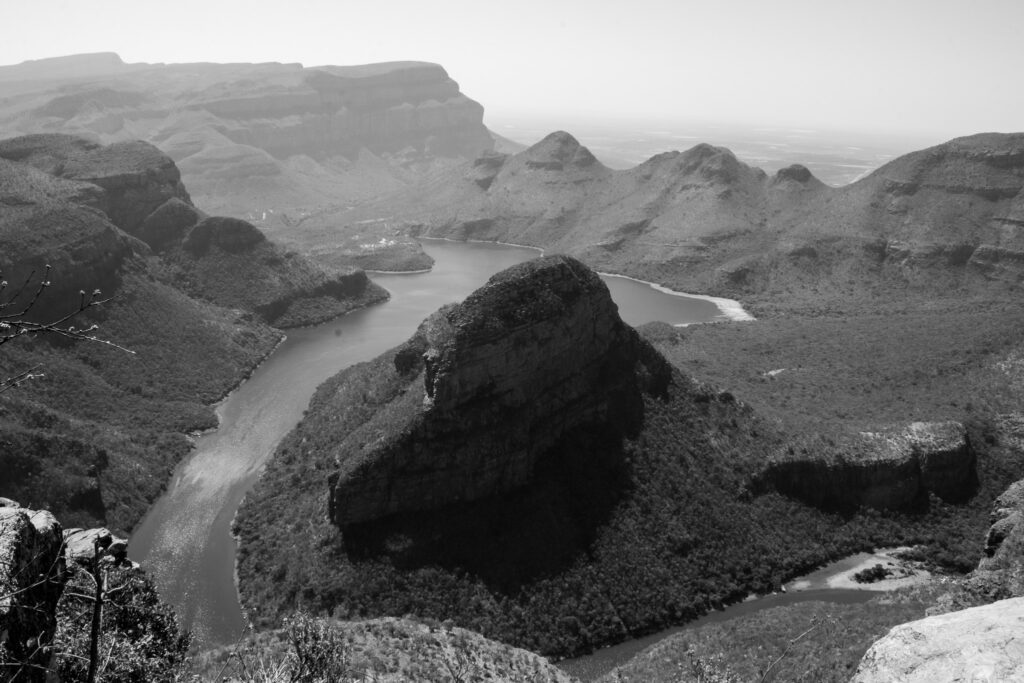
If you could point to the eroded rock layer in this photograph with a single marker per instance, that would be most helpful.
(489, 386)
(885, 470)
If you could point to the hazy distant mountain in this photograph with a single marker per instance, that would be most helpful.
(702, 220)
(269, 142)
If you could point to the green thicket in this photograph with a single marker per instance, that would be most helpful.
(830, 640)
(96, 438)
(684, 533)
(140, 640)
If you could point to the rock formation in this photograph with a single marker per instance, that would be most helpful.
(266, 142)
(977, 644)
(79, 188)
(31, 582)
(1004, 544)
(887, 470)
(489, 386)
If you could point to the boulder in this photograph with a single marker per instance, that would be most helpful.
(31, 582)
(977, 644)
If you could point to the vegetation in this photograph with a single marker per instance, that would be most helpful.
(140, 640)
(95, 438)
(683, 536)
(809, 641)
(316, 650)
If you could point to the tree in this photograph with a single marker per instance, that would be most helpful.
(17, 320)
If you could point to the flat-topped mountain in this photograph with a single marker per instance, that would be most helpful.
(702, 220)
(495, 383)
(190, 294)
(272, 143)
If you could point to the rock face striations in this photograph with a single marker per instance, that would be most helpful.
(489, 386)
(891, 470)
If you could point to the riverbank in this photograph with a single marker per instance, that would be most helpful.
(833, 583)
(730, 309)
(898, 573)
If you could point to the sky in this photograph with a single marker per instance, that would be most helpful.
(933, 67)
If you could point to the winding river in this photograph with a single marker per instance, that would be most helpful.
(185, 538)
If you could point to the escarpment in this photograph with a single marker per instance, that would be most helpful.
(186, 298)
(883, 470)
(266, 142)
(489, 386)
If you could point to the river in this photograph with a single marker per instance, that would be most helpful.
(185, 541)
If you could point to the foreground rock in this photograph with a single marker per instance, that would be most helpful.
(977, 644)
(31, 582)
(490, 386)
(883, 470)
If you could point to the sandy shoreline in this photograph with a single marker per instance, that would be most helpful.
(840, 574)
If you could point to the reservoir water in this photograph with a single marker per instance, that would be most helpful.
(185, 538)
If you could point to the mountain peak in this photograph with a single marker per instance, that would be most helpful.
(558, 150)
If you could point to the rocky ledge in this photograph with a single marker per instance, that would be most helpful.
(486, 388)
(886, 470)
(977, 644)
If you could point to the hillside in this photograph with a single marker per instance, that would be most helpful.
(96, 438)
(624, 522)
(275, 144)
(935, 221)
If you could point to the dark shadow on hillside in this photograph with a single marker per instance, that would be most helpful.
(512, 539)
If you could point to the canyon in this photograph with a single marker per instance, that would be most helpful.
(526, 464)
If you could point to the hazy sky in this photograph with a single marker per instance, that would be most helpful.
(942, 67)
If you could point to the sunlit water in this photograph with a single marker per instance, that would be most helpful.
(185, 538)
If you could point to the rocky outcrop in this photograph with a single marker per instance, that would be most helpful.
(977, 644)
(1004, 543)
(135, 176)
(80, 201)
(31, 583)
(886, 470)
(489, 386)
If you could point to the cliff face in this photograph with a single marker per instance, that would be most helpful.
(894, 470)
(489, 386)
